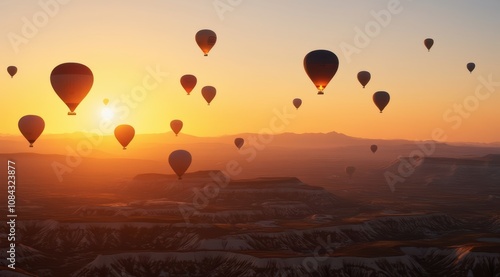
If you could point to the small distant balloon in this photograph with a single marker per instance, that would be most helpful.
(208, 93)
(297, 102)
(31, 126)
(188, 82)
(239, 142)
(471, 66)
(124, 134)
(428, 42)
(176, 126)
(105, 101)
(321, 66)
(72, 82)
(206, 39)
(381, 99)
(364, 77)
(12, 70)
(374, 148)
(350, 171)
(179, 161)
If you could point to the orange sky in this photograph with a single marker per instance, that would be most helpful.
(256, 65)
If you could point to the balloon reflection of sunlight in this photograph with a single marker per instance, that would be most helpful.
(107, 113)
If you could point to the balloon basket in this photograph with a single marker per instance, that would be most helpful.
(71, 113)
(320, 93)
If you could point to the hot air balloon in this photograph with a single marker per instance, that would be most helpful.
(72, 82)
(350, 170)
(124, 134)
(374, 148)
(188, 82)
(471, 66)
(297, 102)
(208, 93)
(31, 126)
(206, 40)
(105, 101)
(239, 142)
(12, 71)
(176, 126)
(428, 42)
(321, 66)
(364, 77)
(179, 161)
(381, 99)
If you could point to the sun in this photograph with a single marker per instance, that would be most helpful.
(107, 113)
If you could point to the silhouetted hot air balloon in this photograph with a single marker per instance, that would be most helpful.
(239, 142)
(188, 82)
(471, 66)
(105, 101)
(72, 82)
(321, 66)
(297, 102)
(31, 126)
(208, 93)
(176, 126)
(179, 161)
(12, 70)
(364, 77)
(381, 99)
(428, 42)
(350, 170)
(124, 134)
(374, 148)
(206, 40)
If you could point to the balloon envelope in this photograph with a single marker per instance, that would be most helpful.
(72, 82)
(471, 66)
(381, 99)
(105, 101)
(188, 82)
(206, 40)
(31, 126)
(124, 134)
(374, 148)
(208, 93)
(364, 77)
(179, 161)
(297, 102)
(350, 170)
(428, 42)
(239, 142)
(176, 126)
(12, 70)
(321, 66)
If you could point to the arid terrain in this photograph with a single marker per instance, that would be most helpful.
(285, 208)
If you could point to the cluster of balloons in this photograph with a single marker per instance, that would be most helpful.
(72, 82)
(322, 65)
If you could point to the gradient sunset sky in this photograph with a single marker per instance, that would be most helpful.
(256, 65)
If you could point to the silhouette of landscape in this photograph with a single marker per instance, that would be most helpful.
(292, 211)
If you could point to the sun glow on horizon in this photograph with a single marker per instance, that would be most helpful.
(107, 113)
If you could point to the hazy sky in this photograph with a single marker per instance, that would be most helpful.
(256, 65)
